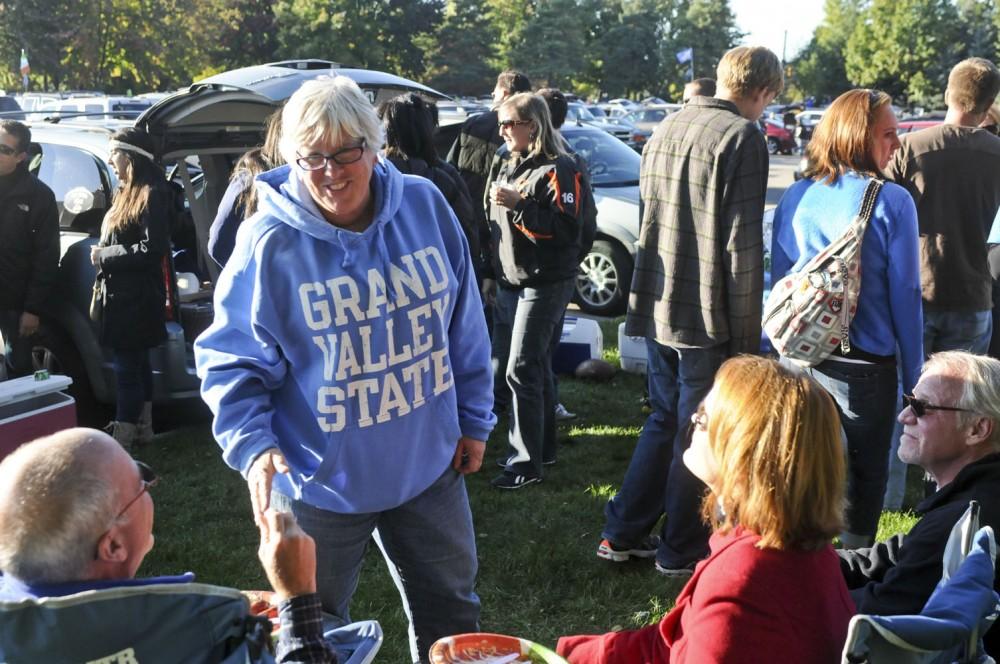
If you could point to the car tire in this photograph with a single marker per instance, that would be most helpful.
(772, 145)
(51, 350)
(604, 280)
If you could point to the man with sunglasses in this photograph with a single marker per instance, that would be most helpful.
(76, 514)
(29, 245)
(951, 429)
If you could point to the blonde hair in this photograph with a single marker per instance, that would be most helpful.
(746, 69)
(544, 140)
(843, 139)
(323, 110)
(775, 435)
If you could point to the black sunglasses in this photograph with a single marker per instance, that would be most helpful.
(7, 150)
(149, 480)
(512, 123)
(345, 156)
(920, 407)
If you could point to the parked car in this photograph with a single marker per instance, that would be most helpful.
(915, 124)
(199, 134)
(606, 272)
(778, 138)
(10, 109)
(810, 117)
(577, 113)
(648, 117)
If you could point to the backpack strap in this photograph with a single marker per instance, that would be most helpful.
(868, 205)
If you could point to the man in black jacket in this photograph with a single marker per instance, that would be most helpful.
(29, 244)
(951, 429)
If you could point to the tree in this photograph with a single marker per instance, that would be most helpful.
(819, 68)
(978, 27)
(627, 49)
(459, 54)
(905, 47)
(550, 48)
(707, 26)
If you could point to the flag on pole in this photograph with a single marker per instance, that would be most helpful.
(25, 67)
(685, 56)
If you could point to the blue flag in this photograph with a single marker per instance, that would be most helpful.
(686, 55)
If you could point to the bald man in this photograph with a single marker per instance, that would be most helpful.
(76, 514)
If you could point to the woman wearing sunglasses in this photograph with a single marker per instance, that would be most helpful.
(766, 442)
(534, 209)
(852, 144)
(131, 262)
(349, 362)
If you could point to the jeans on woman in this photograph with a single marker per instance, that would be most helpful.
(134, 378)
(526, 330)
(865, 395)
(428, 544)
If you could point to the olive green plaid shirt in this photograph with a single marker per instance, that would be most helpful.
(699, 274)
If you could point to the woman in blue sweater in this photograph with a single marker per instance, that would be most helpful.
(349, 363)
(851, 145)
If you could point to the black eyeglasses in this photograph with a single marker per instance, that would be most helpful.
(6, 150)
(317, 161)
(149, 480)
(920, 407)
(512, 123)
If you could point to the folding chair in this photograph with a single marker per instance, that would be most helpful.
(948, 629)
(169, 622)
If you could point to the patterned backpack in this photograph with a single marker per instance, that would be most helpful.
(808, 313)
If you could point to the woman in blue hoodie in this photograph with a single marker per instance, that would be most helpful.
(349, 362)
(852, 144)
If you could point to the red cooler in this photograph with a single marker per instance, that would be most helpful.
(31, 408)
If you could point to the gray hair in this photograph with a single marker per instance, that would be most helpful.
(54, 508)
(546, 140)
(326, 108)
(980, 376)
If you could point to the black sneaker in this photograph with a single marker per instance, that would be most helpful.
(618, 553)
(509, 480)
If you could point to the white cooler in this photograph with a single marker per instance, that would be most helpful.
(32, 408)
(581, 340)
(632, 351)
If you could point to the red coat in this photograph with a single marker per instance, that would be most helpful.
(743, 604)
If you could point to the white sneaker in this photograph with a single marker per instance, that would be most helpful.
(563, 414)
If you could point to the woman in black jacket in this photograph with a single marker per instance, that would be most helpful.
(409, 124)
(132, 261)
(536, 222)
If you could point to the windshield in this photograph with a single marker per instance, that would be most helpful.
(611, 163)
(579, 112)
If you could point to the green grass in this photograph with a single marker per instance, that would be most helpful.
(538, 575)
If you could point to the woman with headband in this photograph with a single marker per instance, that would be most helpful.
(130, 258)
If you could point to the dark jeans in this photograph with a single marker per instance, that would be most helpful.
(19, 358)
(865, 395)
(526, 329)
(657, 481)
(429, 546)
(134, 377)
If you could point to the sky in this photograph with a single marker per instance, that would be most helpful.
(766, 21)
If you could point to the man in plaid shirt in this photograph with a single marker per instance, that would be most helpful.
(696, 296)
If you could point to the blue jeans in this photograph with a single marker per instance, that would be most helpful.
(954, 330)
(865, 395)
(134, 379)
(526, 330)
(429, 547)
(657, 481)
(943, 330)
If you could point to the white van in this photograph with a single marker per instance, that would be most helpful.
(97, 109)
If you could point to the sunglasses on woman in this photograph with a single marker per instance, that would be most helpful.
(920, 406)
(512, 123)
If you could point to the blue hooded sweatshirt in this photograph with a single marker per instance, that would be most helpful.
(363, 357)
